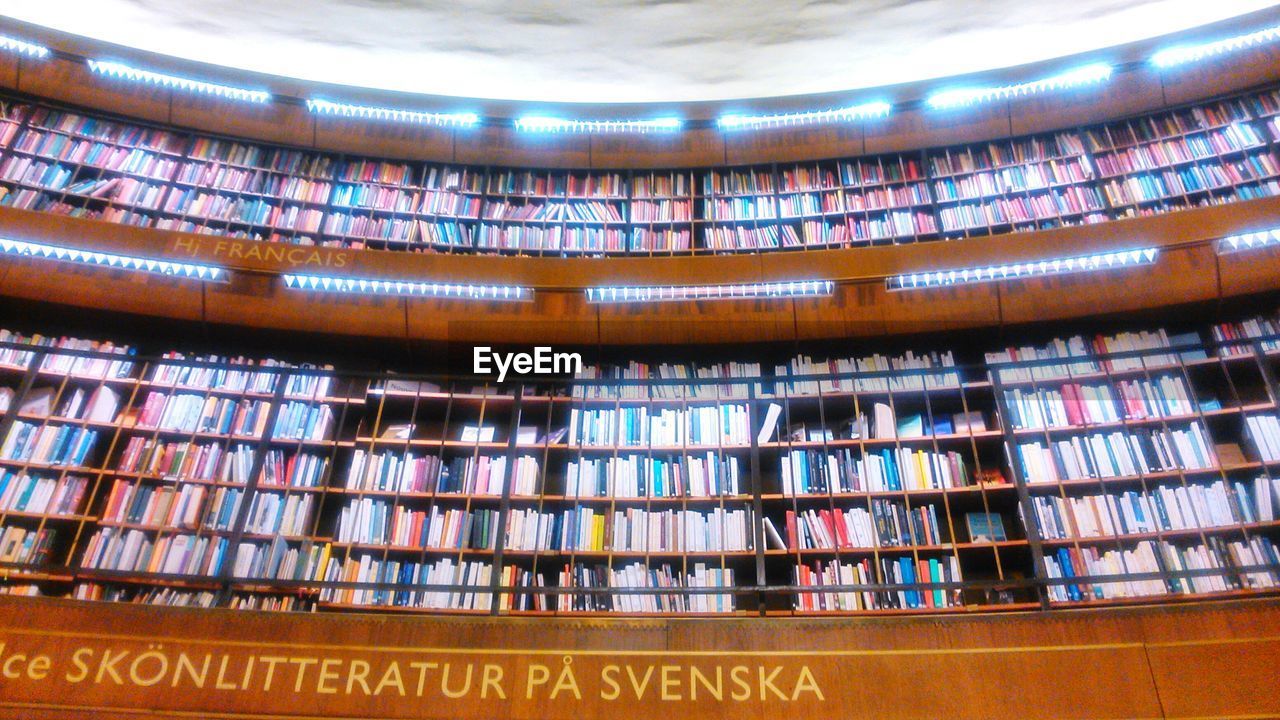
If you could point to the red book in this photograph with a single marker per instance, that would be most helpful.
(792, 537)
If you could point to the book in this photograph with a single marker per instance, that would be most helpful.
(477, 433)
(770, 424)
(985, 527)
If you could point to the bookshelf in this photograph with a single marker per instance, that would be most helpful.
(1125, 467)
(65, 161)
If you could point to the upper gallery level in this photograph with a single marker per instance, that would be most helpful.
(70, 160)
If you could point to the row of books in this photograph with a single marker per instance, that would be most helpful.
(1213, 566)
(392, 472)
(805, 472)
(890, 571)
(638, 476)
(888, 524)
(996, 154)
(636, 576)
(1076, 405)
(98, 405)
(21, 545)
(187, 460)
(63, 364)
(405, 575)
(631, 530)
(371, 521)
(1117, 454)
(68, 445)
(39, 495)
(908, 371)
(724, 425)
(1157, 509)
(254, 181)
(634, 370)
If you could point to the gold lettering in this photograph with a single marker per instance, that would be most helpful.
(162, 667)
(538, 675)
(422, 669)
(293, 254)
(275, 254)
(767, 682)
(220, 682)
(806, 682)
(235, 251)
(184, 661)
(248, 672)
(108, 666)
(75, 659)
(358, 676)
(326, 675)
(566, 681)
(38, 668)
(696, 677)
(393, 670)
(8, 670)
(670, 681)
(303, 664)
(607, 675)
(492, 677)
(221, 246)
(271, 661)
(444, 683)
(339, 260)
(190, 244)
(736, 676)
(639, 687)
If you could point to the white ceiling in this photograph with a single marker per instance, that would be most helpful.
(621, 50)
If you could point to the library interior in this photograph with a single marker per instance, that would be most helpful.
(696, 359)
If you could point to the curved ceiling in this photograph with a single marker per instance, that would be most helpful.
(609, 51)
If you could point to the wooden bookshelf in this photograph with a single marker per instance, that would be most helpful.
(216, 481)
(67, 162)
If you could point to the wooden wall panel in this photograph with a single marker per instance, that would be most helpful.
(690, 148)
(916, 129)
(491, 145)
(72, 660)
(258, 302)
(383, 139)
(274, 122)
(941, 309)
(104, 288)
(1249, 271)
(798, 143)
(1179, 276)
(1229, 73)
(10, 68)
(72, 82)
(1187, 271)
(1124, 95)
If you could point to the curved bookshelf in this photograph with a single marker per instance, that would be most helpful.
(67, 162)
(1134, 467)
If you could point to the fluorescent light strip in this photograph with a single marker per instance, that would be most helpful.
(365, 286)
(111, 260)
(366, 112)
(542, 123)
(22, 47)
(1190, 53)
(960, 97)
(1015, 271)
(228, 92)
(855, 112)
(676, 293)
(1249, 241)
